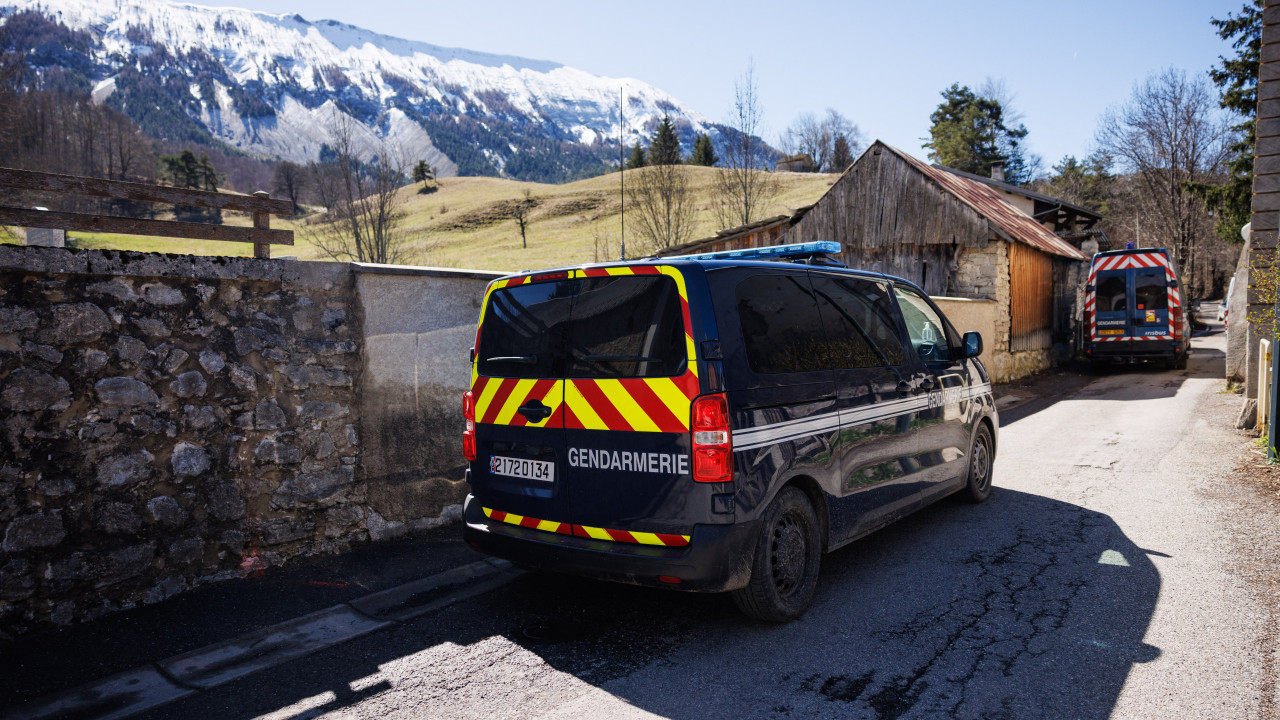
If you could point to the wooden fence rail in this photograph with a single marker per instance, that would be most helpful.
(260, 204)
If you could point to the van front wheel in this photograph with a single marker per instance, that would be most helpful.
(981, 457)
(784, 572)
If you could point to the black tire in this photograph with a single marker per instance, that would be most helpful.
(981, 457)
(1181, 362)
(784, 572)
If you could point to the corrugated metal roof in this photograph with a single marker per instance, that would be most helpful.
(1020, 190)
(1008, 220)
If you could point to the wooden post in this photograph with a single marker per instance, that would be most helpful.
(262, 221)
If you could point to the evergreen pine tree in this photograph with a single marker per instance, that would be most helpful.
(185, 170)
(841, 157)
(703, 152)
(664, 148)
(1237, 81)
(969, 134)
(206, 176)
(423, 172)
(637, 157)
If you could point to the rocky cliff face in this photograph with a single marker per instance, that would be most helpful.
(272, 84)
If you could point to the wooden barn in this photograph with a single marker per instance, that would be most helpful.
(998, 269)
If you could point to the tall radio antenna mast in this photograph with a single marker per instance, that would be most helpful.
(622, 172)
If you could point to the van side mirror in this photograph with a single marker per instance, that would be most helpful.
(972, 344)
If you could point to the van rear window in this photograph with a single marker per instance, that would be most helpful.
(1149, 289)
(627, 327)
(624, 326)
(1111, 291)
(523, 331)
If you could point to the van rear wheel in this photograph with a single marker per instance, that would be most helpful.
(784, 572)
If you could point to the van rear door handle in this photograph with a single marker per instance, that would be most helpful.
(534, 411)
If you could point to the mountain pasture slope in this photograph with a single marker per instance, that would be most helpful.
(467, 222)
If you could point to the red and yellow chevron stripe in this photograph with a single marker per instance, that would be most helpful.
(1126, 261)
(638, 538)
(632, 404)
(497, 400)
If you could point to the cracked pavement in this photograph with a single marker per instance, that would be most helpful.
(1113, 573)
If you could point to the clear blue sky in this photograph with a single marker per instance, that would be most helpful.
(882, 64)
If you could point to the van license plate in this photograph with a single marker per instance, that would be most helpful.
(1111, 332)
(527, 469)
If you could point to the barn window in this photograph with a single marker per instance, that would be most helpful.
(1030, 298)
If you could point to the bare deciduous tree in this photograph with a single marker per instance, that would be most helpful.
(663, 204)
(743, 185)
(364, 207)
(816, 137)
(520, 211)
(1167, 134)
(290, 181)
(1020, 162)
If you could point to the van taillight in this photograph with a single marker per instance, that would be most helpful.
(1088, 324)
(469, 434)
(712, 450)
(1176, 314)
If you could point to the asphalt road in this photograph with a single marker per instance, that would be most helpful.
(1116, 571)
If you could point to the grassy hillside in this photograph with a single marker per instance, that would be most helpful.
(465, 223)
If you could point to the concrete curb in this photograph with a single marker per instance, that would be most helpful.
(147, 687)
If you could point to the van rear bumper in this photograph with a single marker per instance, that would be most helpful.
(718, 557)
(1121, 351)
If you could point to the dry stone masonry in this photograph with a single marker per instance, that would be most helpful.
(168, 421)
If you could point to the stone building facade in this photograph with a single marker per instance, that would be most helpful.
(1265, 218)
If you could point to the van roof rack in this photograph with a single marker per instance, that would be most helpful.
(809, 253)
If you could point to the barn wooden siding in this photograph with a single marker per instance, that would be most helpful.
(894, 219)
(1030, 298)
(766, 233)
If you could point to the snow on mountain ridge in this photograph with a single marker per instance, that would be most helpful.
(276, 57)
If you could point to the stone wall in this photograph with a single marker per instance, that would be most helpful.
(983, 273)
(973, 315)
(1237, 320)
(1069, 278)
(977, 272)
(168, 421)
(419, 324)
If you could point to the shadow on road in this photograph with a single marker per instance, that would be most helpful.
(1119, 382)
(1021, 607)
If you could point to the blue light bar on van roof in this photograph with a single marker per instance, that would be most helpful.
(822, 247)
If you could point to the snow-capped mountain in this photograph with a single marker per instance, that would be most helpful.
(271, 84)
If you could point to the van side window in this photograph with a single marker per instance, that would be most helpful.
(860, 328)
(781, 327)
(927, 331)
